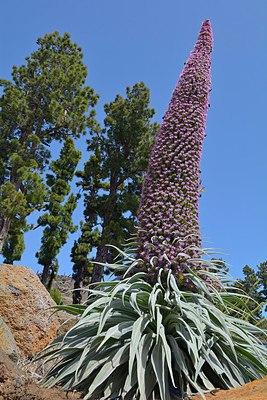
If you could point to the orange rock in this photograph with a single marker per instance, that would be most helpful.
(256, 390)
(7, 341)
(24, 308)
(15, 384)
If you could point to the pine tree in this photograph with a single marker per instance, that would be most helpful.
(262, 276)
(112, 178)
(251, 284)
(82, 264)
(254, 284)
(46, 101)
(14, 246)
(57, 219)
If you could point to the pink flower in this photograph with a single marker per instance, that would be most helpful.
(170, 193)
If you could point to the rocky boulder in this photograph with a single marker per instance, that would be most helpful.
(256, 390)
(65, 284)
(16, 384)
(24, 307)
(7, 341)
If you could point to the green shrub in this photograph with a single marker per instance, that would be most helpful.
(56, 296)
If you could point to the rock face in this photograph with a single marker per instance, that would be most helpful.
(7, 341)
(24, 308)
(15, 384)
(256, 390)
(65, 284)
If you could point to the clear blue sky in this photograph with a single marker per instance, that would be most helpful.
(127, 41)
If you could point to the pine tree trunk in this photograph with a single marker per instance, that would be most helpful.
(45, 275)
(98, 271)
(76, 294)
(51, 279)
(102, 250)
(4, 229)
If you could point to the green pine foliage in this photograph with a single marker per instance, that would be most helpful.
(112, 178)
(47, 100)
(22, 194)
(82, 264)
(251, 285)
(60, 205)
(14, 246)
(254, 284)
(262, 276)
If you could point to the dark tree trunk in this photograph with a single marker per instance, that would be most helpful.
(78, 277)
(77, 295)
(102, 250)
(45, 275)
(4, 229)
(51, 279)
(98, 271)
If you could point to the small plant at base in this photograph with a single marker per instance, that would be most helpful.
(56, 296)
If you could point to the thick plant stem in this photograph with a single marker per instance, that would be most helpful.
(45, 275)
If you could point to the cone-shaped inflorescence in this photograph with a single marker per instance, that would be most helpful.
(168, 213)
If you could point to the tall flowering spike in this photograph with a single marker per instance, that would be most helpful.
(168, 213)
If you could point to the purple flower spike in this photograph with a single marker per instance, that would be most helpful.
(168, 213)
